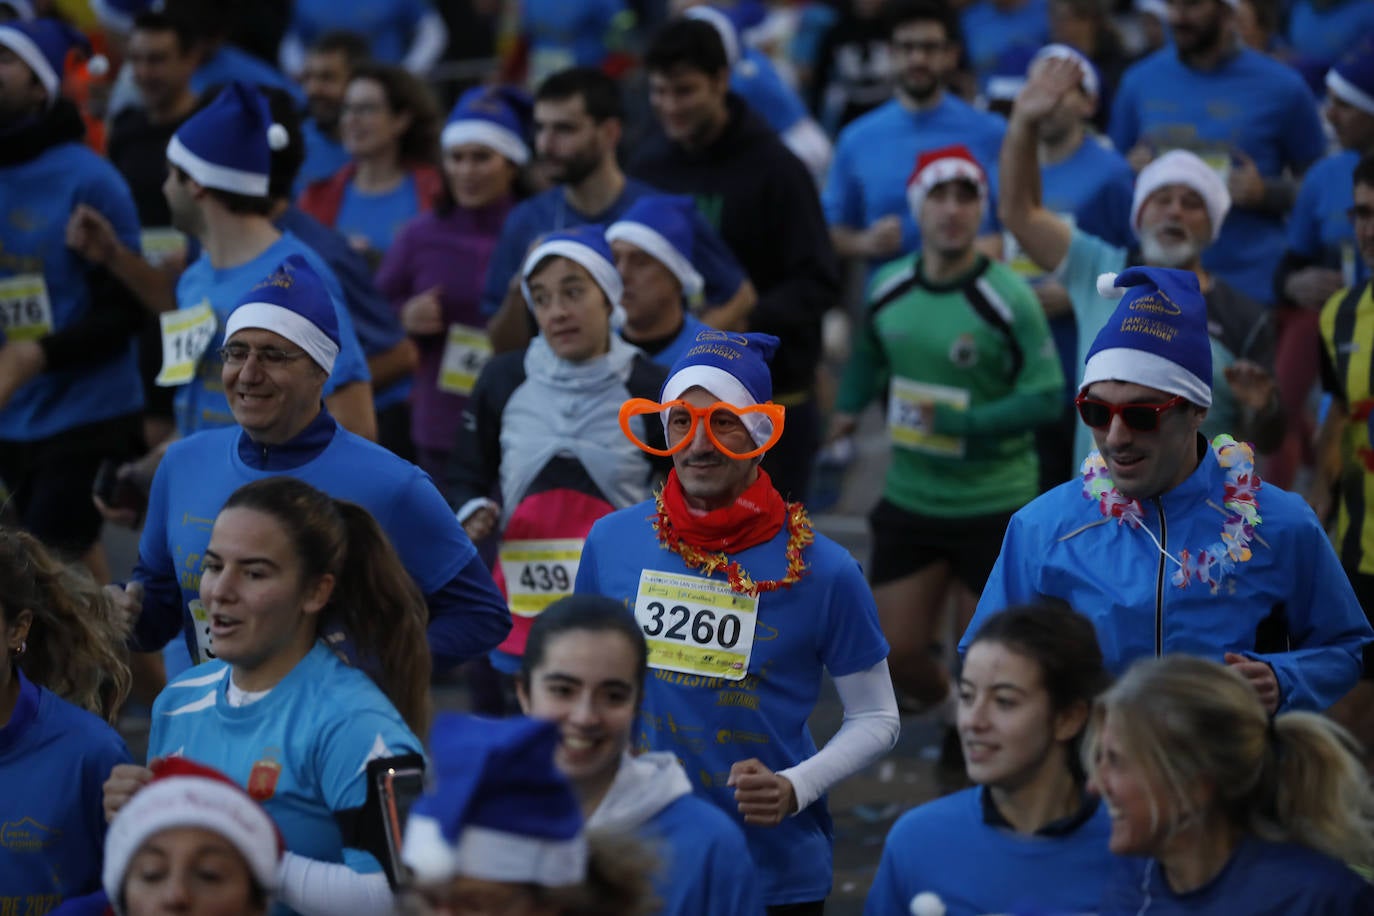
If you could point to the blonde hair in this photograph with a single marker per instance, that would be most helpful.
(75, 645)
(1191, 722)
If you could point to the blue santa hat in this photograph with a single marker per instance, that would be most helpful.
(661, 225)
(1352, 78)
(494, 117)
(43, 44)
(732, 367)
(499, 809)
(119, 15)
(22, 9)
(228, 144)
(1157, 337)
(584, 245)
(294, 302)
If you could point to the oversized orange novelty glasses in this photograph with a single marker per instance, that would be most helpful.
(724, 423)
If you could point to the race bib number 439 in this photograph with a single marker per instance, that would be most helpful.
(538, 573)
(695, 625)
(25, 311)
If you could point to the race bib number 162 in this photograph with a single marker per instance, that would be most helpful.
(696, 625)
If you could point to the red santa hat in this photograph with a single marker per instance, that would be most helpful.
(937, 166)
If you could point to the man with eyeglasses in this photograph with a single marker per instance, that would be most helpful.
(281, 342)
(1169, 544)
(744, 607)
(1344, 484)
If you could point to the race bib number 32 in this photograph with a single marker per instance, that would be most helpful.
(25, 311)
(695, 625)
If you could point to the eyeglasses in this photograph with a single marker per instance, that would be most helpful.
(1143, 418)
(723, 423)
(234, 354)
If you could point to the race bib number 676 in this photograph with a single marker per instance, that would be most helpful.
(696, 625)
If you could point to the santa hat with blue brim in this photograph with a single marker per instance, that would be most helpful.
(43, 45)
(228, 144)
(1352, 78)
(493, 117)
(587, 247)
(499, 809)
(294, 302)
(662, 225)
(1157, 336)
(731, 367)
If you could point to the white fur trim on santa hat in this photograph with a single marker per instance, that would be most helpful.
(192, 801)
(603, 272)
(724, 28)
(1122, 364)
(492, 855)
(660, 249)
(725, 387)
(208, 174)
(950, 168)
(29, 53)
(1179, 166)
(487, 133)
(295, 327)
(1349, 92)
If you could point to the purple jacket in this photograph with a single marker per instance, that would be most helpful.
(451, 252)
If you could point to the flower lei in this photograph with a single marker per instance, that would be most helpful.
(1213, 563)
(799, 536)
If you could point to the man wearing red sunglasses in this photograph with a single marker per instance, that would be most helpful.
(743, 606)
(1170, 545)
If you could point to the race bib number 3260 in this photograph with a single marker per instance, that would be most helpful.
(696, 625)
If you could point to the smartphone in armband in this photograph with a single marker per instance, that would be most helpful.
(395, 783)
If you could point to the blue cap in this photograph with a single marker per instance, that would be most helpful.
(43, 44)
(228, 144)
(498, 809)
(294, 302)
(1157, 336)
(662, 225)
(732, 367)
(497, 117)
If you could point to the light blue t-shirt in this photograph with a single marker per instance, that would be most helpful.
(387, 24)
(989, 32)
(201, 404)
(1251, 104)
(301, 751)
(876, 153)
(377, 217)
(1319, 226)
(758, 82)
(826, 621)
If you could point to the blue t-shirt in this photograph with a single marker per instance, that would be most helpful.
(990, 32)
(567, 33)
(323, 156)
(38, 197)
(1319, 226)
(705, 868)
(947, 848)
(201, 404)
(875, 154)
(825, 622)
(1261, 879)
(1250, 103)
(231, 63)
(1323, 34)
(691, 326)
(388, 24)
(301, 751)
(199, 474)
(757, 81)
(54, 760)
(376, 218)
(550, 211)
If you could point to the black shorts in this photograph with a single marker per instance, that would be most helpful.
(50, 481)
(905, 542)
(1363, 584)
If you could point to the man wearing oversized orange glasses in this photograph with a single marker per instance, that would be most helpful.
(743, 605)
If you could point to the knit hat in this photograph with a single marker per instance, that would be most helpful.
(293, 302)
(1156, 337)
(494, 117)
(1352, 78)
(1182, 167)
(228, 144)
(183, 793)
(498, 809)
(584, 245)
(937, 166)
(43, 44)
(729, 25)
(1089, 83)
(733, 367)
(661, 224)
(120, 14)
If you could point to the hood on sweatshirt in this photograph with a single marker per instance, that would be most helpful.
(643, 787)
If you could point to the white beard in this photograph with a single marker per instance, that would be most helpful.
(1162, 254)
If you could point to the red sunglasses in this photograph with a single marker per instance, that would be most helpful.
(1143, 418)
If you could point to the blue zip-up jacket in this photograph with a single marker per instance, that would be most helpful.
(1290, 605)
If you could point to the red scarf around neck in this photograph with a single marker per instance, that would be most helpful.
(756, 516)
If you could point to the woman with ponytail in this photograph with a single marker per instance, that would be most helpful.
(61, 679)
(294, 584)
(1227, 810)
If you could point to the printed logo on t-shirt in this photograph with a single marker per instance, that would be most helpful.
(262, 779)
(964, 351)
(27, 835)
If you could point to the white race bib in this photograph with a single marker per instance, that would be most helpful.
(25, 311)
(465, 353)
(200, 620)
(905, 425)
(696, 625)
(538, 573)
(186, 335)
(1218, 161)
(160, 244)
